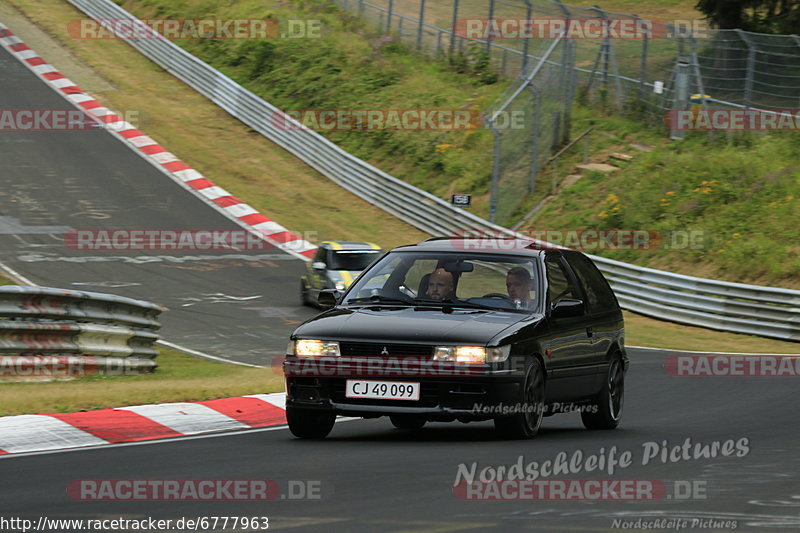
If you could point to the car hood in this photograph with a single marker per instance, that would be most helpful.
(423, 325)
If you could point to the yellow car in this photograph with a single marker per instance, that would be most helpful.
(335, 265)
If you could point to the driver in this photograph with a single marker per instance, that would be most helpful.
(440, 284)
(518, 284)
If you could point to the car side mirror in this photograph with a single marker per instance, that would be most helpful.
(567, 307)
(318, 265)
(328, 297)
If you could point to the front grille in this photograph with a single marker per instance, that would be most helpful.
(368, 349)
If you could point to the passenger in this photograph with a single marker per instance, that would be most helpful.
(518, 284)
(440, 285)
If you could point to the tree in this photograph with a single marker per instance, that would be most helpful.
(765, 16)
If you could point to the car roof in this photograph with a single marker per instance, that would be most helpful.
(349, 245)
(493, 245)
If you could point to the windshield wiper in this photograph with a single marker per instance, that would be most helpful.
(377, 298)
(449, 302)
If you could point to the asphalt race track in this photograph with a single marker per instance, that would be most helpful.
(240, 305)
(373, 477)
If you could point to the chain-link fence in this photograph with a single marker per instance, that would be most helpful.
(620, 63)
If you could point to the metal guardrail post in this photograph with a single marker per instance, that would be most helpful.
(389, 13)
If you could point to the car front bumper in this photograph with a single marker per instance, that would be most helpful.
(478, 397)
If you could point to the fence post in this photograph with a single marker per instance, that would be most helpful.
(389, 14)
(536, 114)
(361, 8)
(453, 27)
(606, 46)
(526, 42)
(751, 60)
(680, 101)
(566, 77)
(421, 22)
(495, 174)
(489, 33)
(797, 40)
(699, 75)
(643, 63)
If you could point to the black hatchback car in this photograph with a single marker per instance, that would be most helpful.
(462, 329)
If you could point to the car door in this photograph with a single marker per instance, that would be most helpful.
(570, 348)
(603, 316)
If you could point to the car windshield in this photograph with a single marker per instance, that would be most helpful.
(353, 259)
(478, 280)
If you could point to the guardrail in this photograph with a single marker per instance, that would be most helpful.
(44, 329)
(765, 311)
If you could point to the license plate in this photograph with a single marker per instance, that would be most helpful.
(382, 390)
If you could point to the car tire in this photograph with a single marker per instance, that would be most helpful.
(407, 421)
(608, 404)
(525, 425)
(304, 294)
(310, 423)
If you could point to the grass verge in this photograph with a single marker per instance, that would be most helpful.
(179, 378)
(644, 331)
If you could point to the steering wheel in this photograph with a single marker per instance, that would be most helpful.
(498, 295)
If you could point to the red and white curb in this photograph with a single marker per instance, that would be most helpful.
(36, 433)
(217, 197)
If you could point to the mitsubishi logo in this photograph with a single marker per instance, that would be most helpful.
(385, 351)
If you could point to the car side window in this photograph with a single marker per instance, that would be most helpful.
(598, 293)
(559, 285)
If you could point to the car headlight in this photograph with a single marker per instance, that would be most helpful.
(473, 355)
(315, 348)
(499, 354)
